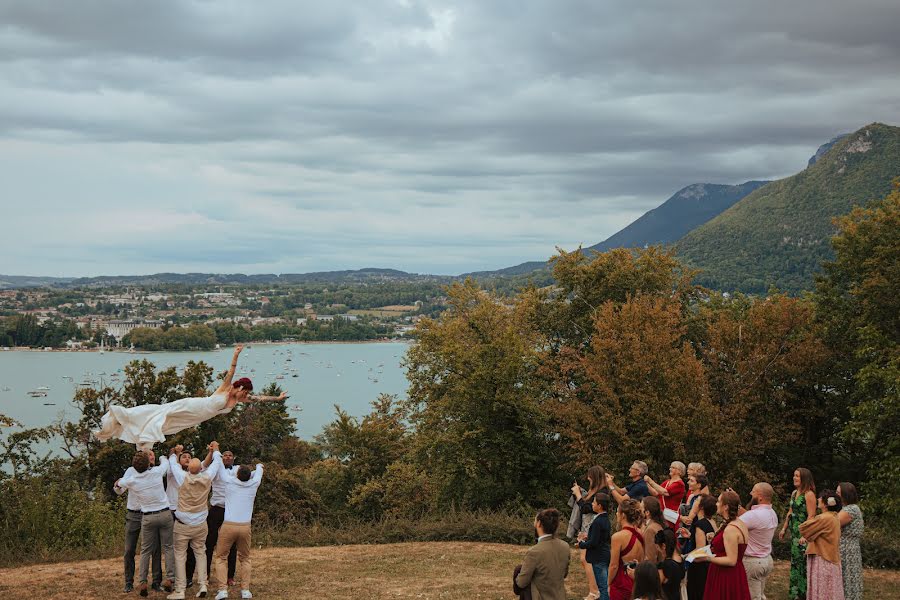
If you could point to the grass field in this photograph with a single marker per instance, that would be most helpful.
(423, 571)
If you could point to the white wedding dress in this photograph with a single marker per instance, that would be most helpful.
(151, 423)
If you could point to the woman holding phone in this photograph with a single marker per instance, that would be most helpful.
(596, 478)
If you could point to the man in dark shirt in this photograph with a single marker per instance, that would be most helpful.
(596, 543)
(637, 489)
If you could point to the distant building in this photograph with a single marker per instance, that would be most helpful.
(301, 322)
(324, 318)
(120, 328)
(349, 317)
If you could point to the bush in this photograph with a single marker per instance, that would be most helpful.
(43, 519)
(403, 491)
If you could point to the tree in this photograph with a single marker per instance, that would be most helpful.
(475, 404)
(639, 379)
(858, 302)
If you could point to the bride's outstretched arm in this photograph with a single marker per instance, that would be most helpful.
(283, 396)
(226, 383)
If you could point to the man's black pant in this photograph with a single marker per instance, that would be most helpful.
(214, 522)
(132, 531)
(191, 563)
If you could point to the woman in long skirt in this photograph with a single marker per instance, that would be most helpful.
(822, 535)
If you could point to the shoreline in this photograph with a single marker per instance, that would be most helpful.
(247, 345)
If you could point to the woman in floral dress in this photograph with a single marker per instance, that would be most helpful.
(851, 519)
(802, 508)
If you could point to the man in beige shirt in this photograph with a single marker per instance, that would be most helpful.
(546, 564)
(190, 521)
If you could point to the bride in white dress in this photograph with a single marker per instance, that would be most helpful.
(150, 423)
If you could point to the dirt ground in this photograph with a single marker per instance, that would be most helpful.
(423, 571)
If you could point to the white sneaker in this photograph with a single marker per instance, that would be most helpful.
(246, 595)
(175, 596)
(202, 592)
(222, 595)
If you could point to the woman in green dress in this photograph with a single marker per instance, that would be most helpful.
(802, 508)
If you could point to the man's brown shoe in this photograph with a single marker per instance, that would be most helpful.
(144, 590)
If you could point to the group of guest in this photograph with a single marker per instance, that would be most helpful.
(674, 540)
(178, 519)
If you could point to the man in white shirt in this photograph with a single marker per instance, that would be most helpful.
(761, 521)
(190, 520)
(146, 484)
(132, 533)
(240, 494)
(217, 515)
(183, 459)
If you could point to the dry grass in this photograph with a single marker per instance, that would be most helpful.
(424, 571)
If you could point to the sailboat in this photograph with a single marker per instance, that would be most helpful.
(101, 345)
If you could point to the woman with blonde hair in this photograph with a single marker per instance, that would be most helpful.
(822, 538)
(802, 508)
(672, 491)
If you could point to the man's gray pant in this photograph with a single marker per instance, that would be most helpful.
(156, 531)
(758, 571)
(132, 532)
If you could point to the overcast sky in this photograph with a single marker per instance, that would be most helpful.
(439, 137)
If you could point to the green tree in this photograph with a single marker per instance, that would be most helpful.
(480, 429)
(858, 301)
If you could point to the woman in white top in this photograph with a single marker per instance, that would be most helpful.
(150, 423)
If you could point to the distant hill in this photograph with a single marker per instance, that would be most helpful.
(780, 234)
(360, 275)
(11, 282)
(687, 208)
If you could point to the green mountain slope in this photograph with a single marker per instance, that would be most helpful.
(779, 235)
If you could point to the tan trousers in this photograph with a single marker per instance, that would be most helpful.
(238, 534)
(195, 537)
(758, 571)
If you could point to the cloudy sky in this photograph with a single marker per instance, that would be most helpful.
(441, 137)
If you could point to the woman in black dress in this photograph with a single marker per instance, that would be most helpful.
(701, 532)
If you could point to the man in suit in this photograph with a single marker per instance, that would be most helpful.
(546, 564)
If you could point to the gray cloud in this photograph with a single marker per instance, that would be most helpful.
(430, 136)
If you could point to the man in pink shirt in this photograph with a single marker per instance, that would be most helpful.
(761, 522)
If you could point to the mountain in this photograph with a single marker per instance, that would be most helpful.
(780, 234)
(687, 208)
(358, 276)
(825, 148)
(670, 221)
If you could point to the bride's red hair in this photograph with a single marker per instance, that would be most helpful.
(243, 384)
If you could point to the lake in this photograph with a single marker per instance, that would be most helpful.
(349, 375)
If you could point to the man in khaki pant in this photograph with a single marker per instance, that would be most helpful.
(240, 493)
(761, 522)
(190, 521)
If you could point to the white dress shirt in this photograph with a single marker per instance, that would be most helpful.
(147, 487)
(218, 484)
(172, 486)
(133, 503)
(240, 495)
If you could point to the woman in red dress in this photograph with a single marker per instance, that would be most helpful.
(626, 546)
(671, 493)
(726, 578)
